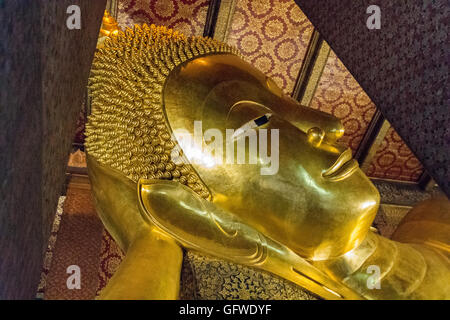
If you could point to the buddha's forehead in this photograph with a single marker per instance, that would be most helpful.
(208, 87)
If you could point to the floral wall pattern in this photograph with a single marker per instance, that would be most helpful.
(338, 93)
(186, 16)
(404, 67)
(273, 36)
(394, 160)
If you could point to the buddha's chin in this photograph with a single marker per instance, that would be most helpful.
(343, 236)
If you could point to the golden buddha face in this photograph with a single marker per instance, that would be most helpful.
(315, 199)
(312, 197)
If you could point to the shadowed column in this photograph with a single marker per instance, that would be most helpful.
(44, 71)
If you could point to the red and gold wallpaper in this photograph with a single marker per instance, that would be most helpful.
(404, 66)
(338, 93)
(110, 258)
(273, 36)
(394, 160)
(186, 16)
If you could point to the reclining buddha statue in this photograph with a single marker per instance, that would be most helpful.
(303, 214)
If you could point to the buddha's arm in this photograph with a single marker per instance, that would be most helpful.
(152, 264)
(384, 269)
(151, 269)
(428, 223)
(415, 266)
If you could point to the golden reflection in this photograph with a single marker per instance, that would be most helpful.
(301, 211)
(109, 25)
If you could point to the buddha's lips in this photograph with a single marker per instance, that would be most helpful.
(342, 168)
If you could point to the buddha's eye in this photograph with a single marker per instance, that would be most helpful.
(262, 120)
(252, 124)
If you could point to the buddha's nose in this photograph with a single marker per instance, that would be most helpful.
(318, 138)
(315, 136)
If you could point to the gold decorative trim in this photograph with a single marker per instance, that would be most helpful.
(112, 6)
(375, 146)
(311, 70)
(224, 18)
(316, 74)
(77, 159)
(404, 182)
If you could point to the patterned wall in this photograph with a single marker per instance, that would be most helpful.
(404, 67)
(338, 93)
(394, 160)
(272, 35)
(187, 16)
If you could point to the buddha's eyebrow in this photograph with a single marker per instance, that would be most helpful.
(251, 125)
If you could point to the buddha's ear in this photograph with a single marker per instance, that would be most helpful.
(161, 201)
(193, 221)
(200, 224)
